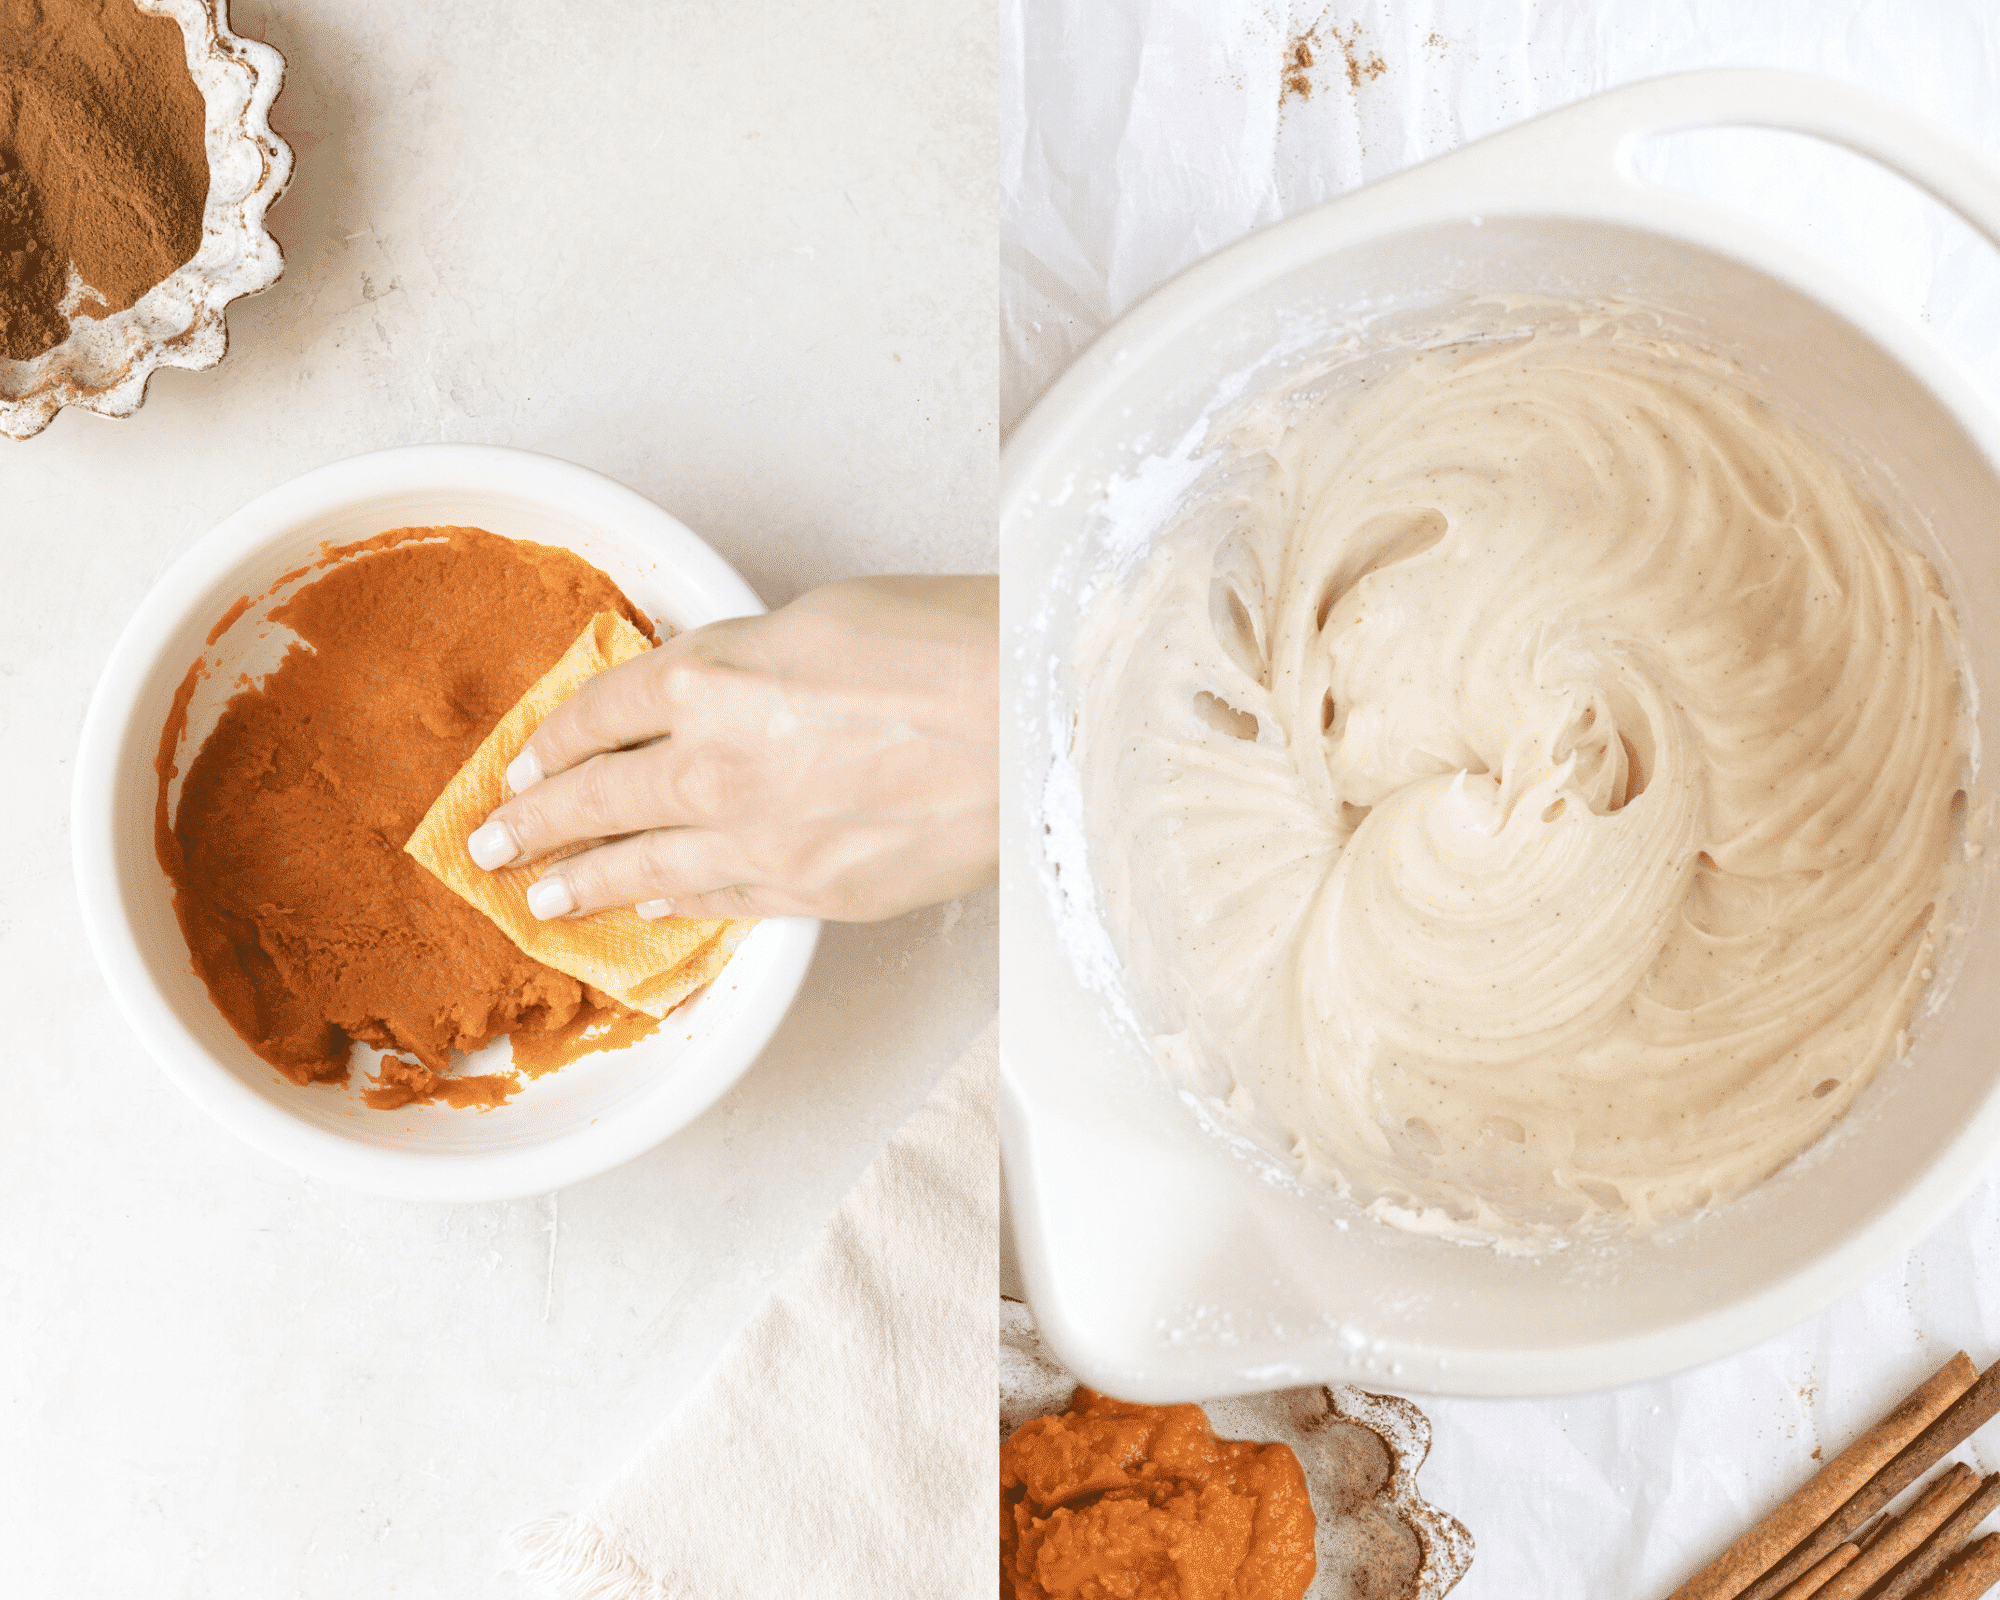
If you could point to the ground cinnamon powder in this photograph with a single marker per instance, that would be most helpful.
(303, 915)
(102, 161)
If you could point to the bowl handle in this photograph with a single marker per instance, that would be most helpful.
(1583, 152)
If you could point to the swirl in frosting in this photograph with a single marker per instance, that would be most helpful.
(1521, 785)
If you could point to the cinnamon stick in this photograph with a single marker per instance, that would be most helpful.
(1828, 1489)
(1967, 1413)
(1817, 1579)
(1971, 1575)
(1940, 1546)
(1948, 1491)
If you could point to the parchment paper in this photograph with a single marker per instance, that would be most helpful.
(1140, 135)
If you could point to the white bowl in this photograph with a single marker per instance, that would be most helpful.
(1165, 1263)
(595, 1113)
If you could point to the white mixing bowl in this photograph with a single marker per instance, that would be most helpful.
(1165, 1263)
(597, 1112)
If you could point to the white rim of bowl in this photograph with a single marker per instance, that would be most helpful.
(108, 728)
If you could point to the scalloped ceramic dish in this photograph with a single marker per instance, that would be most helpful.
(1375, 1533)
(104, 364)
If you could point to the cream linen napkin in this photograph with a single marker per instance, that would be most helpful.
(844, 1444)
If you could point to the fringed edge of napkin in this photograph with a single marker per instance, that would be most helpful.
(573, 1558)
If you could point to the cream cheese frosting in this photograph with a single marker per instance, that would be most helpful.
(1521, 785)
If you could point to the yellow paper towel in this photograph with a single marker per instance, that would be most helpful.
(649, 966)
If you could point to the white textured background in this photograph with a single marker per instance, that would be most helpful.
(1138, 136)
(740, 259)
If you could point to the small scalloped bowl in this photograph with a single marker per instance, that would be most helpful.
(1373, 1526)
(561, 1128)
(104, 364)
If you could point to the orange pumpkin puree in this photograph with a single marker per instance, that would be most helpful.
(310, 924)
(1109, 1501)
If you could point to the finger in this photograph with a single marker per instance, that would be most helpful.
(608, 796)
(669, 864)
(615, 709)
(738, 900)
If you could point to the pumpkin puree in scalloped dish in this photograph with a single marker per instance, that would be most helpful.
(1110, 1501)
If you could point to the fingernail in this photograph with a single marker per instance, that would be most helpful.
(653, 910)
(524, 771)
(493, 845)
(550, 897)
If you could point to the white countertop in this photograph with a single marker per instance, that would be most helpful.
(1151, 133)
(743, 262)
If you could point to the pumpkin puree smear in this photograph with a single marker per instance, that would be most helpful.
(1110, 1501)
(309, 924)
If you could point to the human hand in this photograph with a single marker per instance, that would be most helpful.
(836, 758)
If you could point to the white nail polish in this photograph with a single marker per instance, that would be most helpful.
(493, 844)
(653, 910)
(551, 897)
(524, 771)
